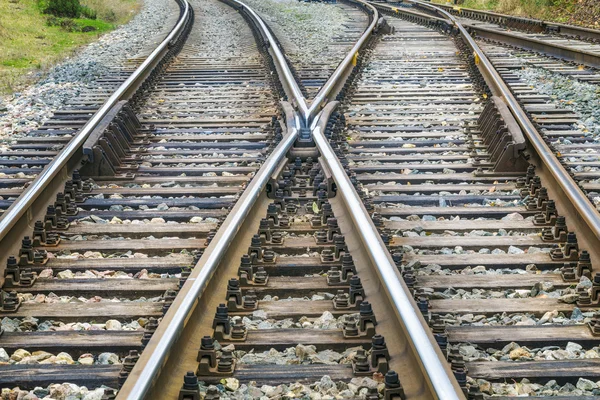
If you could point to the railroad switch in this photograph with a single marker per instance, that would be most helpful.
(190, 389)
(15, 276)
(526, 180)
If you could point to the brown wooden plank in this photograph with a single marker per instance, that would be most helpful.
(535, 306)
(537, 371)
(469, 242)
(171, 263)
(514, 281)
(456, 261)
(298, 266)
(531, 336)
(141, 245)
(281, 339)
(296, 286)
(296, 309)
(281, 374)
(141, 230)
(73, 342)
(172, 191)
(425, 188)
(465, 212)
(462, 226)
(31, 376)
(103, 287)
(87, 311)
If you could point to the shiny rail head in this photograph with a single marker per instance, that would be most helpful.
(582, 205)
(152, 362)
(340, 72)
(286, 75)
(439, 379)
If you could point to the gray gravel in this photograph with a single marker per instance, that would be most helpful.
(326, 388)
(27, 110)
(221, 33)
(306, 30)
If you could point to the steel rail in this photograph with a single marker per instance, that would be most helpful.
(28, 197)
(432, 365)
(529, 43)
(281, 61)
(576, 196)
(228, 231)
(342, 67)
(161, 346)
(490, 16)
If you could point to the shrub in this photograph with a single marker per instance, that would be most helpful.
(87, 12)
(66, 24)
(63, 8)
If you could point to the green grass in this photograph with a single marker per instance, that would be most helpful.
(29, 46)
(550, 10)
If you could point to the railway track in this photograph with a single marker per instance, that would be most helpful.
(567, 126)
(572, 43)
(219, 235)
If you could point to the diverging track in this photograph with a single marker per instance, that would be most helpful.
(407, 234)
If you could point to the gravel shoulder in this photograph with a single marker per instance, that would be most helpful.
(27, 110)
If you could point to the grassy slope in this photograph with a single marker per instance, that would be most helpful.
(551, 10)
(27, 45)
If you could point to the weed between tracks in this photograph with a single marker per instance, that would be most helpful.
(580, 12)
(28, 45)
